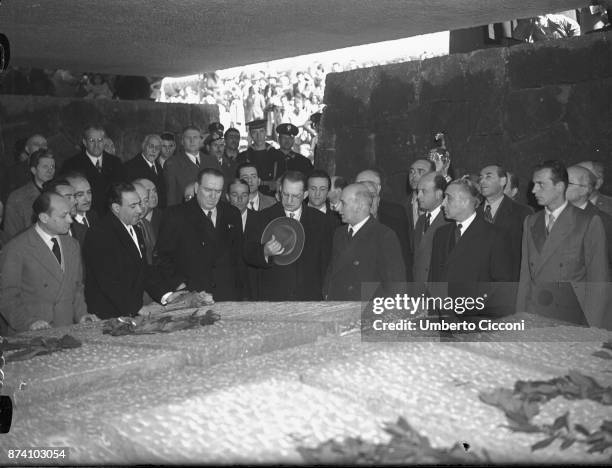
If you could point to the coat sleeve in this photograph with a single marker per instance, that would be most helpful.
(253, 250)
(13, 217)
(79, 305)
(525, 274)
(12, 306)
(391, 264)
(596, 263)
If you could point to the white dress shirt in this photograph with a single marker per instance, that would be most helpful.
(359, 225)
(466, 223)
(46, 237)
(297, 214)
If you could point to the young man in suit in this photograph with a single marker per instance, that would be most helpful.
(101, 169)
(502, 211)
(318, 186)
(302, 280)
(145, 165)
(41, 274)
(257, 200)
(117, 273)
(364, 251)
(564, 268)
(469, 254)
(430, 194)
(182, 169)
(201, 241)
(168, 147)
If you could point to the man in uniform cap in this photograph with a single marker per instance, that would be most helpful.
(268, 161)
(229, 162)
(216, 127)
(293, 161)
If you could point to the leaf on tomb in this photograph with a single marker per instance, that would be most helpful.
(600, 447)
(543, 443)
(602, 354)
(561, 421)
(581, 429)
(68, 341)
(567, 443)
(25, 354)
(607, 345)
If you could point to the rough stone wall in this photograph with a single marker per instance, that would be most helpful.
(62, 121)
(517, 105)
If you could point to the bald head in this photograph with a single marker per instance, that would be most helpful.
(597, 169)
(34, 143)
(369, 176)
(355, 203)
(143, 193)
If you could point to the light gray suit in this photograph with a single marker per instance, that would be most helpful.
(423, 243)
(266, 201)
(33, 286)
(570, 264)
(18, 211)
(179, 172)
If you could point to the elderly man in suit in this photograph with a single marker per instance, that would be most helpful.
(201, 241)
(302, 280)
(430, 195)
(63, 188)
(469, 253)
(146, 165)
(257, 200)
(391, 215)
(601, 201)
(85, 216)
(41, 274)
(117, 273)
(154, 212)
(364, 251)
(182, 169)
(144, 231)
(501, 211)
(101, 168)
(18, 211)
(564, 268)
(581, 183)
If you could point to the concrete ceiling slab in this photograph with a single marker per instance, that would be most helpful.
(181, 37)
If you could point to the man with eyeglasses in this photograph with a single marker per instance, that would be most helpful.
(145, 165)
(99, 167)
(302, 280)
(201, 240)
(564, 267)
(501, 211)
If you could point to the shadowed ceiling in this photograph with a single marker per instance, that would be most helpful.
(181, 37)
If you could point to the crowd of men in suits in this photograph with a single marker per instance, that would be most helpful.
(103, 238)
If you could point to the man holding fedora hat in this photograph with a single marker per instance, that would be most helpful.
(291, 245)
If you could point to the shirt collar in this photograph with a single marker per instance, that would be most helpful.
(359, 225)
(297, 214)
(466, 223)
(93, 159)
(434, 213)
(495, 205)
(557, 212)
(45, 236)
(322, 209)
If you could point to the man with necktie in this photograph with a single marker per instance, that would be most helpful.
(301, 280)
(85, 216)
(41, 274)
(469, 254)
(257, 200)
(363, 251)
(564, 267)
(200, 241)
(146, 165)
(117, 273)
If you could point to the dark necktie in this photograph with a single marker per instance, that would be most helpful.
(292, 215)
(99, 164)
(209, 215)
(154, 169)
(85, 222)
(457, 233)
(488, 215)
(427, 222)
(197, 160)
(56, 250)
(141, 241)
(252, 205)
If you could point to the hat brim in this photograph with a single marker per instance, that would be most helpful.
(290, 233)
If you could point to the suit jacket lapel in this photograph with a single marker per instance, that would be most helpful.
(125, 238)
(44, 255)
(472, 231)
(561, 228)
(538, 231)
(347, 246)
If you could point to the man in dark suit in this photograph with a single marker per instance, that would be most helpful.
(303, 279)
(502, 211)
(201, 241)
(100, 168)
(469, 253)
(154, 213)
(292, 161)
(63, 188)
(318, 186)
(85, 216)
(601, 201)
(418, 169)
(391, 215)
(145, 165)
(182, 168)
(564, 268)
(43, 255)
(117, 273)
(430, 194)
(365, 251)
(581, 184)
(257, 200)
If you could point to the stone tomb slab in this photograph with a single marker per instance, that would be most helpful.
(71, 372)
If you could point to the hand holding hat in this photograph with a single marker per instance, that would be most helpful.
(273, 247)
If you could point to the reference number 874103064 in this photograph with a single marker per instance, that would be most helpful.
(38, 453)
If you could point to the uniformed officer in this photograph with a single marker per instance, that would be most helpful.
(293, 161)
(268, 161)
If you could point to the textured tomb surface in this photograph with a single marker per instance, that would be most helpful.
(266, 380)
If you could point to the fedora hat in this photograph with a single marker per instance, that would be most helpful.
(290, 234)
